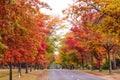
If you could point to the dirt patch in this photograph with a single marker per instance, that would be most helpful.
(43, 75)
(105, 75)
(112, 77)
(107, 78)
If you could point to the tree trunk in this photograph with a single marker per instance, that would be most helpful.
(35, 67)
(109, 60)
(26, 68)
(82, 64)
(109, 47)
(114, 61)
(10, 75)
(87, 64)
(92, 62)
(31, 68)
(100, 68)
(19, 70)
(77, 65)
(38, 66)
(3, 66)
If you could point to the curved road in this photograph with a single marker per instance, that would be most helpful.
(63, 74)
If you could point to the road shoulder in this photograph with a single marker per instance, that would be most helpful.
(104, 74)
(43, 75)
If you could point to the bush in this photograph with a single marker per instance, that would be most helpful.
(118, 62)
(105, 65)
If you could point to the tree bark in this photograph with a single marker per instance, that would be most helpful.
(10, 75)
(19, 70)
(26, 68)
(82, 62)
(114, 61)
(77, 65)
(31, 68)
(35, 67)
(3, 66)
(109, 60)
(38, 66)
(92, 62)
(100, 68)
(108, 47)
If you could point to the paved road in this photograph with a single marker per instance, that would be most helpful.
(59, 74)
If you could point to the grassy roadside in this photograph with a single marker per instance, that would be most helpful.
(34, 75)
(104, 74)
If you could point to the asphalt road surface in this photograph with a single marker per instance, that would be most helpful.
(62, 74)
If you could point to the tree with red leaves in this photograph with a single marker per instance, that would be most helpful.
(20, 32)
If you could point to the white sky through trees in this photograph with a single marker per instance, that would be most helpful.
(57, 7)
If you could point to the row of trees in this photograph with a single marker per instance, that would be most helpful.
(25, 34)
(93, 39)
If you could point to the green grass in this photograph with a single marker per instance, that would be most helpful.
(34, 75)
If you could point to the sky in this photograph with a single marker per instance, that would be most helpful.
(57, 6)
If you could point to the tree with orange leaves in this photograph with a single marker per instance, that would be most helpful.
(19, 30)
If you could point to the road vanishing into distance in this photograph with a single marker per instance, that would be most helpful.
(63, 74)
